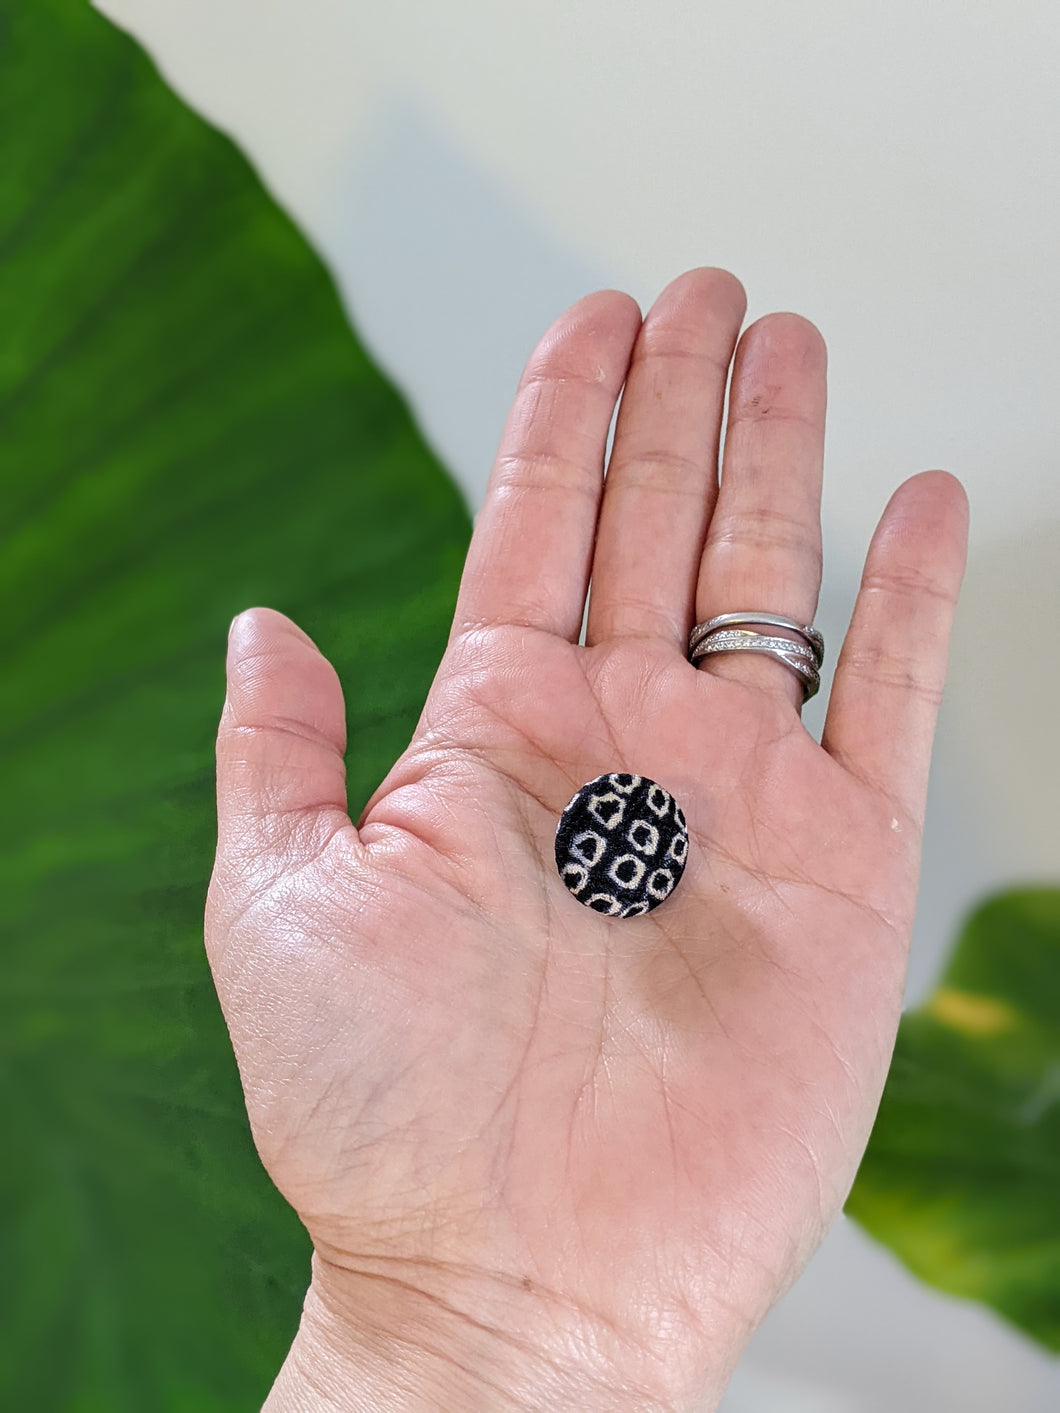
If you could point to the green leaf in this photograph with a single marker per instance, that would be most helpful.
(962, 1174)
(187, 427)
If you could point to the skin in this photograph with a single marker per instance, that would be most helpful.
(548, 1159)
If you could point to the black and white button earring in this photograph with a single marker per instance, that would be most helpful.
(621, 845)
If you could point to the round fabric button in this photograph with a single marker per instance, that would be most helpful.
(621, 845)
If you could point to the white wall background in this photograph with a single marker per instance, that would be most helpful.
(890, 171)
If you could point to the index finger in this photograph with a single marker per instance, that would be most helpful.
(528, 562)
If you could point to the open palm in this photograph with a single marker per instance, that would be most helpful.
(571, 1160)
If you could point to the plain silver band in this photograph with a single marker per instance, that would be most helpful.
(792, 655)
(806, 631)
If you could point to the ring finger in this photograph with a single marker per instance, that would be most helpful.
(763, 546)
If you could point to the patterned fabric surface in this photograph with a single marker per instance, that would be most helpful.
(621, 845)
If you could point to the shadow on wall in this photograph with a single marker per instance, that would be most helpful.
(450, 280)
(1005, 673)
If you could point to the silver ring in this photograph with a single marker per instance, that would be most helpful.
(735, 639)
(721, 635)
(792, 655)
(806, 631)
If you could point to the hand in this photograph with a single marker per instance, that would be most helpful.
(547, 1159)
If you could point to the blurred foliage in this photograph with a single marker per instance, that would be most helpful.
(187, 427)
(962, 1174)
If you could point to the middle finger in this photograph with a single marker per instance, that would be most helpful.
(662, 477)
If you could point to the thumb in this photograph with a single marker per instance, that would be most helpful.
(281, 778)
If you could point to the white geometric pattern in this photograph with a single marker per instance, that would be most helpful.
(607, 904)
(608, 809)
(621, 845)
(627, 871)
(659, 801)
(575, 877)
(661, 883)
(588, 847)
(643, 836)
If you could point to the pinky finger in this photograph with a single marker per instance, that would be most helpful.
(889, 678)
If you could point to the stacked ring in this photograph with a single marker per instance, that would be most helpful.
(729, 632)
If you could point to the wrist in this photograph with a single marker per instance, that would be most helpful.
(373, 1340)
